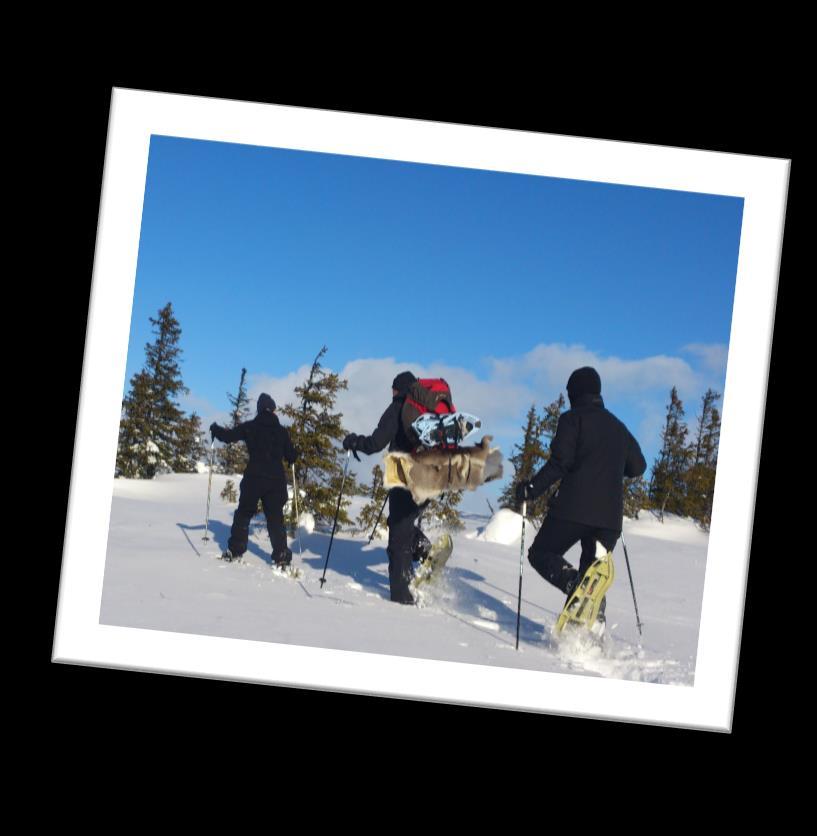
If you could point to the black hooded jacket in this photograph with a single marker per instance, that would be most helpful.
(591, 452)
(389, 431)
(268, 443)
(390, 428)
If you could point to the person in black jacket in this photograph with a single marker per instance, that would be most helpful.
(406, 541)
(591, 453)
(268, 443)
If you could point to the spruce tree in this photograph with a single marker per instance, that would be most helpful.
(155, 435)
(377, 497)
(700, 478)
(229, 494)
(136, 452)
(713, 432)
(528, 458)
(667, 490)
(635, 497)
(189, 445)
(442, 511)
(314, 429)
(531, 456)
(233, 458)
(709, 427)
(548, 426)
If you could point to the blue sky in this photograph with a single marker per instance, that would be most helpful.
(501, 281)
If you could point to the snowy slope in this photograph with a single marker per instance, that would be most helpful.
(161, 575)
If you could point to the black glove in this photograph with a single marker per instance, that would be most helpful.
(524, 492)
(351, 442)
(213, 428)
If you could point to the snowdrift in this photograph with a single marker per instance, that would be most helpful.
(505, 528)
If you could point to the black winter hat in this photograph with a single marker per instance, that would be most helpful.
(265, 402)
(584, 381)
(402, 382)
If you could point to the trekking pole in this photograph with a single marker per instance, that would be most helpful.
(521, 557)
(337, 512)
(378, 518)
(297, 513)
(209, 485)
(635, 604)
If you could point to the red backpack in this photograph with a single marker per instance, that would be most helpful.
(429, 394)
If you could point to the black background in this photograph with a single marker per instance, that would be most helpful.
(310, 735)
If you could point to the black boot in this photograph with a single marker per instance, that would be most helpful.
(282, 559)
(420, 546)
(571, 583)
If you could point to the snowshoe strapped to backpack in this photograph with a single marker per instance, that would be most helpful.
(446, 431)
(425, 395)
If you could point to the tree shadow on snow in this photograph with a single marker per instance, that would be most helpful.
(354, 559)
(351, 558)
(474, 604)
(220, 535)
(197, 542)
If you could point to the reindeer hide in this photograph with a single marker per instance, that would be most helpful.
(428, 473)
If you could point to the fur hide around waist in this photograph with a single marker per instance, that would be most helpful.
(428, 473)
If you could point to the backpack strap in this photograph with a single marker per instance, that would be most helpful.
(424, 399)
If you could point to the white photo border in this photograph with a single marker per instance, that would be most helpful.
(135, 116)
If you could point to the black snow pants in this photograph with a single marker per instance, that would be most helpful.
(554, 538)
(406, 543)
(273, 496)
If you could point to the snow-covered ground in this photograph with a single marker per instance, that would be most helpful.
(160, 574)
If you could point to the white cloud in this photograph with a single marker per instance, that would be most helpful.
(496, 402)
(503, 393)
(548, 367)
(502, 396)
(204, 409)
(193, 403)
(712, 355)
(653, 415)
(281, 389)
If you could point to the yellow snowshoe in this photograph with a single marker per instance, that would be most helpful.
(582, 607)
(429, 569)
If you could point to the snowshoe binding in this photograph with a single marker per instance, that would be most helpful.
(229, 557)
